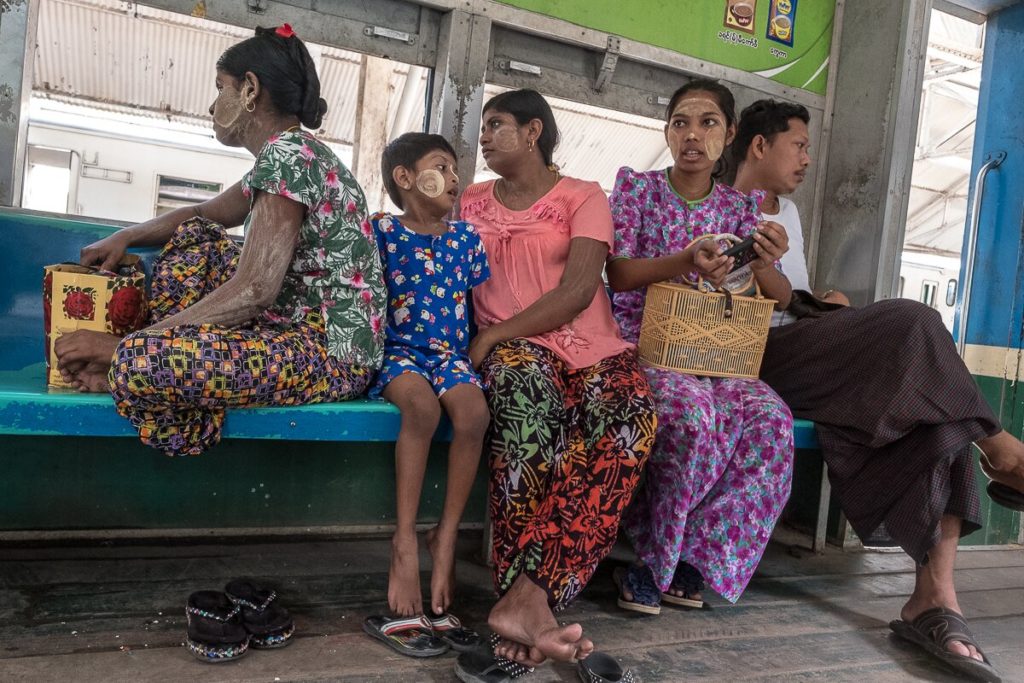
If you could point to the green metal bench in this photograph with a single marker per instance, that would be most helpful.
(28, 409)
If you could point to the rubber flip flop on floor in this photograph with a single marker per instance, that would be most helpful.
(482, 665)
(215, 632)
(640, 583)
(411, 636)
(601, 668)
(1007, 496)
(448, 628)
(934, 629)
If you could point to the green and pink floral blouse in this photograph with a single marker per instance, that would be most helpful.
(336, 270)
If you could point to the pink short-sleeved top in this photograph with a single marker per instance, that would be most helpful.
(528, 251)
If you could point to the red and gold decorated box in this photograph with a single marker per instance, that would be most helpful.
(82, 298)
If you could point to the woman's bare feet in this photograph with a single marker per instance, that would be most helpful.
(78, 349)
(93, 379)
(441, 544)
(404, 597)
(517, 652)
(522, 616)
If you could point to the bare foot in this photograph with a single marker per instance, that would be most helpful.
(523, 616)
(915, 607)
(682, 594)
(517, 652)
(404, 596)
(75, 350)
(92, 380)
(442, 579)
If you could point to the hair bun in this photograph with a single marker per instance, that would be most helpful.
(313, 113)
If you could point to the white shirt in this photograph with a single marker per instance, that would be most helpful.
(794, 263)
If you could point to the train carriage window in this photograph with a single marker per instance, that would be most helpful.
(47, 179)
(951, 293)
(928, 290)
(125, 88)
(174, 193)
(596, 142)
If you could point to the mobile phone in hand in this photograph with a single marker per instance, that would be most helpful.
(743, 252)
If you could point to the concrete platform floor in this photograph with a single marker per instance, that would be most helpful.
(105, 612)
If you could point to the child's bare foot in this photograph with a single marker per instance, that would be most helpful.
(404, 597)
(442, 579)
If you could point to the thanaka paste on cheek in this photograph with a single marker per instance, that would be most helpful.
(695, 109)
(506, 139)
(430, 182)
(714, 143)
(227, 108)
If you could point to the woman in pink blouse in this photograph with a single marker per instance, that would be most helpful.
(572, 415)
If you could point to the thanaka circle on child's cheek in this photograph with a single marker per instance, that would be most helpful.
(430, 182)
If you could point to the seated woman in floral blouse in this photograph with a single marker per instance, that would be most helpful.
(294, 316)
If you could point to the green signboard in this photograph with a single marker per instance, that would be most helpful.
(787, 41)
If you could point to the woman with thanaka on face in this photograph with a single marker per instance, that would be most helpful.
(720, 471)
(896, 408)
(430, 265)
(294, 316)
(572, 416)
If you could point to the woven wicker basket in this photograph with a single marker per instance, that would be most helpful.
(688, 330)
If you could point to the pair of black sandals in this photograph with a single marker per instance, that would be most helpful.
(223, 626)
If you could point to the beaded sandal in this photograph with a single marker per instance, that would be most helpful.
(482, 665)
(268, 623)
(215, 630)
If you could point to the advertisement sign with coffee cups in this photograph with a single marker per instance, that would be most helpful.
(781, 21)
(755, 36)
(739, 15)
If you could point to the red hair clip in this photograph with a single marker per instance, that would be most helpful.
(285, 31)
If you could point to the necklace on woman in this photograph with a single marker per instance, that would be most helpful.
(500, 195)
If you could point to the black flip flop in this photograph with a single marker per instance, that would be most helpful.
(1007, 496)
(215, 632)
(448, 628)
(268, 623)
(481, 665)
(935, 628)
(601, 668)
(410, 636)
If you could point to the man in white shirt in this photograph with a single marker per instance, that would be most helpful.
(896, 409)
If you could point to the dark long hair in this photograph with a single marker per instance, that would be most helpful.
(726, 102)
(524, 106)
(283, 66)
